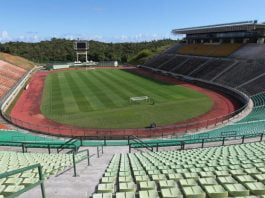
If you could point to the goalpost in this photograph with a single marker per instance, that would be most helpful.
(139, 99)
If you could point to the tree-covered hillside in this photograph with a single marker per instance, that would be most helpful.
(62, 50)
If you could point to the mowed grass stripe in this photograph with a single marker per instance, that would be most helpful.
(166, 88)
(118, 89)
(46, 101)
(149, 86)
(68, 98)
(126, 85)
(71, 105)
(144, 91)
(57, 103)
(92, 84)
(80, 99)
(122, 85)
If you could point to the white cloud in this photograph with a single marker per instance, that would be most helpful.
(4, 36)
(35, 37)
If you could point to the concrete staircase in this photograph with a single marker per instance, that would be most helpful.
(82, 186)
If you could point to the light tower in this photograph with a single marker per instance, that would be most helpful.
(81, 49)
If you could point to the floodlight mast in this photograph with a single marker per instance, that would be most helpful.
(81, 48)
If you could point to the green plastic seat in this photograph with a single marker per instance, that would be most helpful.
(188, 182)
(252, 171)
(159, 177)
(207, 181)
(222, 173)
(238, 172)
(235, 190)
(226, 180)
(102, 195)
(148, 194)
(195, 170)
(108, 180)
(2, 181)
(167, 184)
(110, 174)
(191, 175)
(175, 176)
(126, 173)
(216, 191)
(154, 172)
(246, 166)
(221, 168)
(181, 170)
(141, 178)
(29, 180)
(207, 174)
(2, 188)
(169, 171)
(13, 181)
(194, 192)
(262, 170)
(259, 165)
(171, 193)
(245, 178)
(12, 189)
(149, 185)
(106, 188)
(125, 195)
(139, 173)
(125, 179)
(260, 177)
(127, 187)
(256, 188)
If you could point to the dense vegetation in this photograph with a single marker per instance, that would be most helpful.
(61, 50)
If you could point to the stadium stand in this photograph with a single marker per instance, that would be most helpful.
(17, 61)
(158, 60)
(189, 65)
(256, 86)
(250, 51)
(241, 73)
(51, 164)
(173, 63)
(9, 75)
(212, 172)
(211, 69)
(252, 124)
(245, 75)
(215, 50)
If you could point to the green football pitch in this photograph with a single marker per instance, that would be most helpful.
(101, 99)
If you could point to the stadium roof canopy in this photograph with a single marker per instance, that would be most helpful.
(226, 27)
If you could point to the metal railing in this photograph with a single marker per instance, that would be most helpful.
(49, 145)
(87, 156)
(30, 186)
(201, 141)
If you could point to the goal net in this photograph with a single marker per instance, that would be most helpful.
(139, 99)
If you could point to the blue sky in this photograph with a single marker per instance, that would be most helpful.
(117, 20)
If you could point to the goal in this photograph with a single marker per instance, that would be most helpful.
(138, 99)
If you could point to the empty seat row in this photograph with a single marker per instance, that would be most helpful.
(210, 172)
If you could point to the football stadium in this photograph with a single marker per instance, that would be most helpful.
(187, 122)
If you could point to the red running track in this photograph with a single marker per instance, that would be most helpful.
(26, 112)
